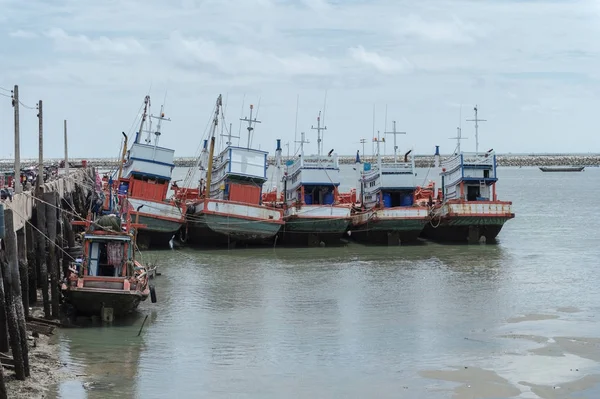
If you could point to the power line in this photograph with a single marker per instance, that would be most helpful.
(5, 95)
(2, 88)
(26, 106)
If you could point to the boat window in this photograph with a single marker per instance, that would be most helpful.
(486, 173)
(110, 259)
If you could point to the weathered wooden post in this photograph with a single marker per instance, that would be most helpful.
(32, 267)
(51, 201)
(4, 346)
(12, 287)
(41, 249)
(23, 267)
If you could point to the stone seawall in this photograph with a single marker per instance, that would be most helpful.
(420, 161)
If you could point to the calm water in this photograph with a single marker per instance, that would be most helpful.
(361, 321)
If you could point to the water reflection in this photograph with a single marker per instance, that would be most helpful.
(105, 359)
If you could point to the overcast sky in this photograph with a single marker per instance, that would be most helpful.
(531, 66)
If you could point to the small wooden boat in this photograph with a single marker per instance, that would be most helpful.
(109, 281)
(562, 168)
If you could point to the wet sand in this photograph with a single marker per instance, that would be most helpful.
(557, 367)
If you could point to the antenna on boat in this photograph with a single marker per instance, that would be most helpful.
(250, 121)
(395, 133)
(160, 118)
(318, 129)
(296, 123)
(476, 120)
(144, 115)
(458, 138)
(302, 142)
(229, 136)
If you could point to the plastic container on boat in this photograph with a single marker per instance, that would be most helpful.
(308, 199)
(387, 200)
(367, 166)
(328, 199)
(407, 200)
(123, 187)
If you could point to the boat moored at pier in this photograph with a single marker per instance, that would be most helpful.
(230, 210)
(390, 215)
(144, 177)
(313, 213)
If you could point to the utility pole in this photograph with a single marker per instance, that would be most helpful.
(250, 121)
(66, 152)
(17, 179)
(40, 179)
(476, 120)
(363, 141)
(318, 129)
(395, 133)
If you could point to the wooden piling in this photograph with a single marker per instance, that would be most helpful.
(41, 251)
(51, 199)
(23, 268)
(12, 288)
(32, 266)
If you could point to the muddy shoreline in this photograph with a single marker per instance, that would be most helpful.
(44, 363)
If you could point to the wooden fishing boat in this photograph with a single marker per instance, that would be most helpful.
(229, 210)
(469, 209)
(313, 213)
(109, 281)
(144, 176)
(389, 214)
(562, 168)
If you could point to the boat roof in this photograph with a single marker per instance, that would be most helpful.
(107, 237)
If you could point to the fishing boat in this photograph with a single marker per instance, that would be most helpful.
(109, 281)
(469, 208)
(144, 176)
(229, 209)
(562, 168)
(389, 214)
(313, 213)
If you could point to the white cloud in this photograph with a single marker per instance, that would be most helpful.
(23, 34)
(435, 30)
(101, 45)
(379, 62)
(413, 56)
(235, 60)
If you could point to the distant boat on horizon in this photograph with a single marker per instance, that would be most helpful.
(562, 168)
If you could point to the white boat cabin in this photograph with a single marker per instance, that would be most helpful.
(470, 177)
(107, 255)
(388, 185)
(238, 175)
(312, 180)
(148, 168)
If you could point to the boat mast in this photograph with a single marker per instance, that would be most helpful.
(160, 118)
(250, 121)
(476, 120)
(229, 136)
(278, 164)
(212, 145)
(302, 142)
(144, 115)
(318, 129)
(122, 157)
(395, 133)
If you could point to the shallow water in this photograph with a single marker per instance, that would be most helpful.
(363, 321)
